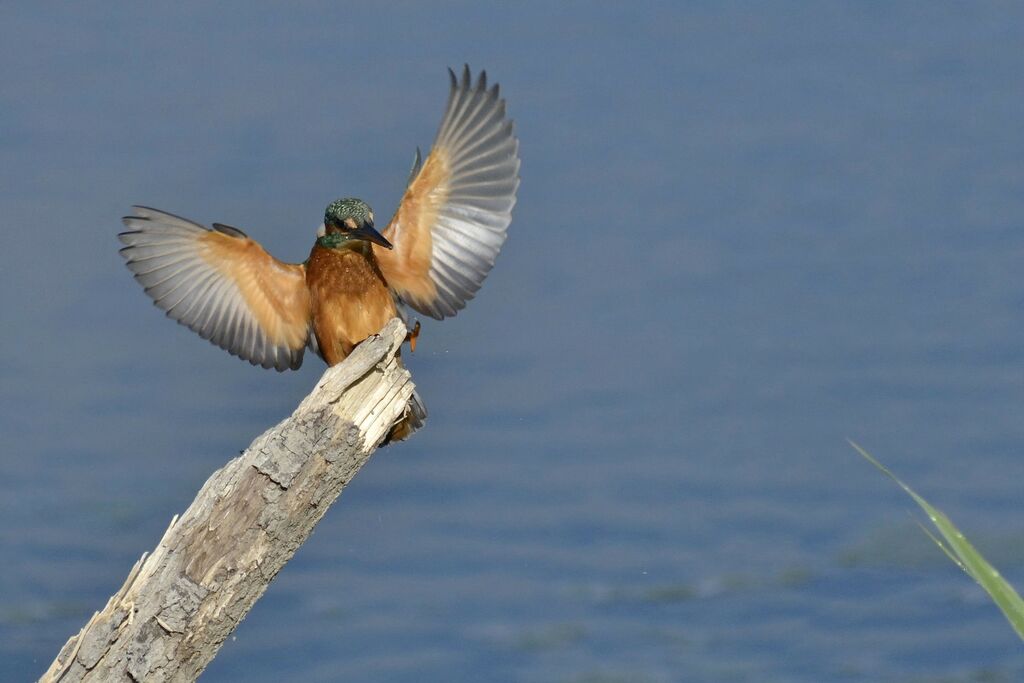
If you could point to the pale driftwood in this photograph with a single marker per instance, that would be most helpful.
(181, 601)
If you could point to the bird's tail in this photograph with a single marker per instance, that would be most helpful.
(415, 416)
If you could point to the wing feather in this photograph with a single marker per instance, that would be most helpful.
(222, 285)
(453, 218)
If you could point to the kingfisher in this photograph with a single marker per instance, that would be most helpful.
(432, 256)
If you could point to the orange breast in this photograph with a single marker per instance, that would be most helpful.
(350, 299)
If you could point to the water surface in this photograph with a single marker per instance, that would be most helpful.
(744, 233)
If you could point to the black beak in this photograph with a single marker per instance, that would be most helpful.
(368, 233)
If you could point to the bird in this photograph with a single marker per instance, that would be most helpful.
(432, 256)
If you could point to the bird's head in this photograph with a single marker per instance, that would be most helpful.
(351, 219)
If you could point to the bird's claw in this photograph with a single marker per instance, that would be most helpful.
(412, 336)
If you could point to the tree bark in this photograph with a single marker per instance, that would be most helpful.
(181, 601)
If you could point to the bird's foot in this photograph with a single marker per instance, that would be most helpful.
(412, 336)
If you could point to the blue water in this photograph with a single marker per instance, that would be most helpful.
(745, 233)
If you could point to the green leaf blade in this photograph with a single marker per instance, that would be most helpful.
(961, 552)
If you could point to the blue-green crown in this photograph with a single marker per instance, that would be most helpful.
(349, 207)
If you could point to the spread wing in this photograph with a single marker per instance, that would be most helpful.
(455, 212)
(222, 285)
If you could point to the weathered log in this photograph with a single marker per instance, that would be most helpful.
(181, 601)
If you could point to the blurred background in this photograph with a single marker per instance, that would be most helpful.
(745, 232)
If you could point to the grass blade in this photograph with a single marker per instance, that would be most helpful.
(960, 551)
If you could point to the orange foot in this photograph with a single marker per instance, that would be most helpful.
(412, 336)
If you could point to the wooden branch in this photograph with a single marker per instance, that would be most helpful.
(181, 601)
